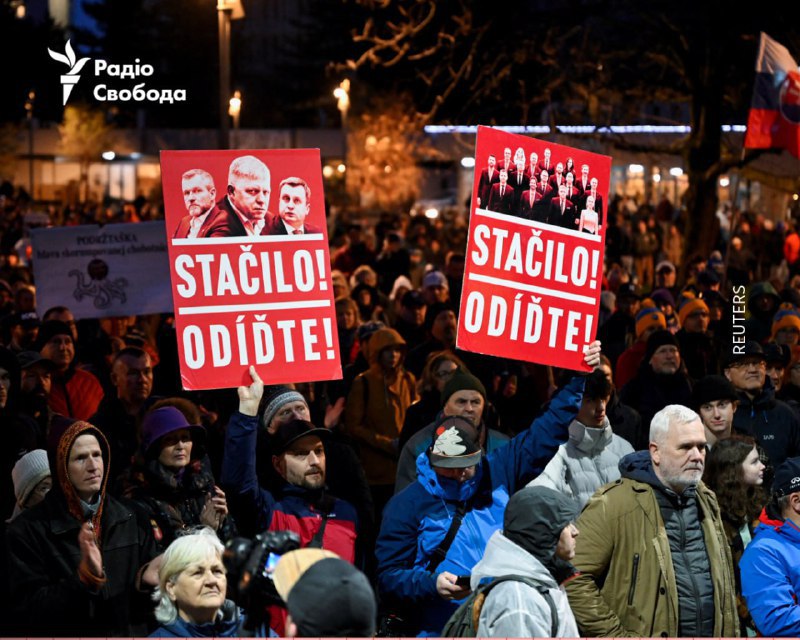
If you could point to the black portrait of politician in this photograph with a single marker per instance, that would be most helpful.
(294, 205)
(501, 197)
(558, 178)
(244, 210)
(562, 212)
(544, 188)
(582, 181)
(546, 163)
(489, 177)
(598, 200)
(507, 163)
(532, 205)
(199, 194)
(519, 180)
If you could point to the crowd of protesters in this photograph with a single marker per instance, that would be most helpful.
(658, 495)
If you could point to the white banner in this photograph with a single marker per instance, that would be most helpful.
(99, 272)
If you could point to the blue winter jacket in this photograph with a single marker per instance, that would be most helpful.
(416, 520)
(770, 569)
(227, 625)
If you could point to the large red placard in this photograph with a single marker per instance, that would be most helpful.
(534, 261)
(244, 293)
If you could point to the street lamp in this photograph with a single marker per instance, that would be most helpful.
(29, 115)
(235, 108)
(342, 95)
(227, 10)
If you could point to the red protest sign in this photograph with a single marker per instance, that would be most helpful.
(533, 271)
(250, 267)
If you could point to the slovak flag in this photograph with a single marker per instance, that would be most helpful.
(774, 119)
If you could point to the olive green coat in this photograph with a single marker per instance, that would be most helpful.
(627, 583)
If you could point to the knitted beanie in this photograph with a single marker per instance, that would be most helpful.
(656, 340)
(688, 304)
(274, 398)
(462, 380)
(650, 316)
(787, 317)
(29, 471)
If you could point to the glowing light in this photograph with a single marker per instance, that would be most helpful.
(656, 177)
(676, 172)
(724, 181)
(327, 171)
(109, 155)
(468, 162)
(636, 169)
(432, 213)
(341, 168)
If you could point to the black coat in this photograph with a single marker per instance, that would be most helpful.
(627, 423)
(47, 596)
(173, 503)
(772, 423)
(648, 392)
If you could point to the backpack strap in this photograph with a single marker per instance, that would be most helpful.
(455, 524)
(542, 588)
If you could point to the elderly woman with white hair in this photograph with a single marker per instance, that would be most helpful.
(191, 590)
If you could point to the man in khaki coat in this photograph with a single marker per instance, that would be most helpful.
(652, 553)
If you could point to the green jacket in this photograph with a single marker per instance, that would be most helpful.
(627, 582)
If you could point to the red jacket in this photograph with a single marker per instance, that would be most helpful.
(628, 363)
(76, 394)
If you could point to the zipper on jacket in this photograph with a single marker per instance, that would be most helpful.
(634, 573)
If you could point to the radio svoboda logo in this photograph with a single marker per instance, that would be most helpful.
(71, 77)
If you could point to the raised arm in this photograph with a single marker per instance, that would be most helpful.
(249, 502)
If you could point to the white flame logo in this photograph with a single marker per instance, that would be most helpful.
(71, 77)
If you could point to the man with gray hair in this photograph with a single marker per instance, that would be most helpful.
(245, 207)
(652, 555)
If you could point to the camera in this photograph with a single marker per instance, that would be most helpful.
(250, 564)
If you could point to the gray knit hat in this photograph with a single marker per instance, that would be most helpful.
(274, 398)
(28, 472)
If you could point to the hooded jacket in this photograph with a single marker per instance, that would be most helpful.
(514, 609)
(770, 569)
(417, 519)
(758, 326)
(421, 440)
(628, 585)
(376, 409)
(44, 558)
(587, 461)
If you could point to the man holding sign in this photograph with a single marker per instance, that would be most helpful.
(425, 551)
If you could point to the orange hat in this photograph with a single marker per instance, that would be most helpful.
(687, 304)
(650, 316)
(787, 317)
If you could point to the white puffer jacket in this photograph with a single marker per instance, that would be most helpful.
(583, 464)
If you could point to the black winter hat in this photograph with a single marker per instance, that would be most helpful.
(656, 340)
(787, 478)
(711, 389)
(50, 329)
